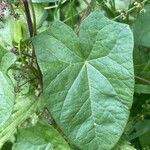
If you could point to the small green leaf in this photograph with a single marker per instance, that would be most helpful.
(88, 81)
(121, 5)
(140, 88)
(40, 137)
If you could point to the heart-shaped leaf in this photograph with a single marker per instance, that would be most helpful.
(88, 80)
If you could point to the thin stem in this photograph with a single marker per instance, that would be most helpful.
(74, 15)
(144, 80)
(51, 7)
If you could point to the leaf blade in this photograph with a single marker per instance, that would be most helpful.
(80, 94)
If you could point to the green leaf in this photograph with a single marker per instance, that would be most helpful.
(40, 137)
(88, 81)
(7, 94)
(140, 88)
(121, 5)
(141, 28)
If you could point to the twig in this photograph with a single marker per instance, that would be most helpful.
(144, 80)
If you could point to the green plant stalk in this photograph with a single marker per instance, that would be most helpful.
(57, 11)
(20, 53)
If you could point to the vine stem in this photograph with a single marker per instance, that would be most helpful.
(34, 17)
(32, 31)
(130, 10)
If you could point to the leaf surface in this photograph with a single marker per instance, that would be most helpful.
(88, 80)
